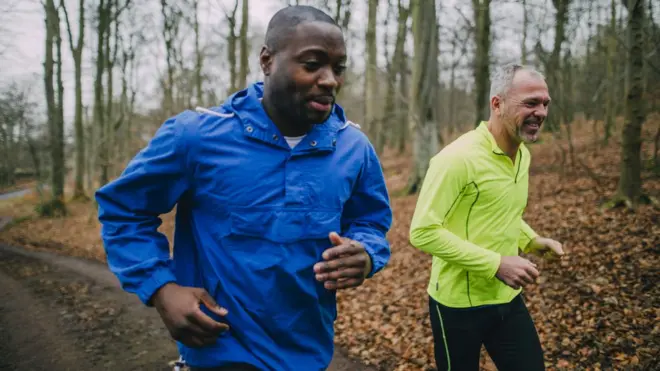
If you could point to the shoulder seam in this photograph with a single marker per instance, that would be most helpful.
(213, 113)
(350, 123)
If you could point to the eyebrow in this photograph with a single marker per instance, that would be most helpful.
(536, 99)
(318, 51)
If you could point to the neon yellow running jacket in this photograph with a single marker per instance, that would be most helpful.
(468, 215)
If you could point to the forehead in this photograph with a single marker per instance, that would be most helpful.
(526, 85)
(321, 36)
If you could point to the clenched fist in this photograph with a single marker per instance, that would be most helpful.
(516, 272)
(179, 307)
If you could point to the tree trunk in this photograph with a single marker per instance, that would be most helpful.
(523, 44)
(76, 53)
(53, 80)
(245, 51)
(423, 90)
(401, 67)
(402, 106)
(107, 133)
(111, 109)
(99, 112)
(57, 143)
(49, 73)
(92, 155)
(586, 79)
(553, 67)
(371, 78)
(392, 119)
(34, 155)
(231, 50)
(610, 111)
(482, 58)
(452, 89)
(630, 182)
(170, 25)
(120, 127)
(198, 56)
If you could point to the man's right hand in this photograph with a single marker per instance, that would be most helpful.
(179, 307)
(516, 272)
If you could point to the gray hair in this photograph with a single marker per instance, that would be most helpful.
(503, 77)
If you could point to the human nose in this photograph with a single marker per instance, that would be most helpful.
(328, 79)
(541, 112)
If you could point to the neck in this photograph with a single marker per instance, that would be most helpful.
(286, 124)
(502, 137)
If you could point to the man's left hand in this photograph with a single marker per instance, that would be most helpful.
(546, 248)
(345, 265)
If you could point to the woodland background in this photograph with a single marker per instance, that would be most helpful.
(112, 70)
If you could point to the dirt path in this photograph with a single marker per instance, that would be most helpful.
(62, 313)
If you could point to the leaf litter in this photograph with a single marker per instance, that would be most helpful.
(598, 308)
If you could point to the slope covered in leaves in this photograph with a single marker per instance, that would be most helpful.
(596, 309)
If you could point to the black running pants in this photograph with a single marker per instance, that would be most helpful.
(506, 330)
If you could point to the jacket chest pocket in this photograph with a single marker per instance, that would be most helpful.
(284, 226)
(272, 253)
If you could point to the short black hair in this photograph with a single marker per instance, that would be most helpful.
(285, 21)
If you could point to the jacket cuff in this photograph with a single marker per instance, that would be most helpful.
(497, 259)
(157, 280)
(376, 263)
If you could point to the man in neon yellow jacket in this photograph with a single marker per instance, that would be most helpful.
(469, 218)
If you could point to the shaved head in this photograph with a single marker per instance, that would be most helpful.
(283, 24)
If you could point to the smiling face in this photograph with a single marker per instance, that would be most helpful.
(305, 75)
(524, 107)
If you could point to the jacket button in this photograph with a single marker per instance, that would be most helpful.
(275, 137)
(334, 142)
(249, 129)
(313, 143)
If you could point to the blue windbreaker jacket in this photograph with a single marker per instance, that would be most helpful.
(252, 218)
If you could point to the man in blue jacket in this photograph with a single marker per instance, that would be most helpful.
(280, 201)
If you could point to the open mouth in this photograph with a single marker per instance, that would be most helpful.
(533, 125)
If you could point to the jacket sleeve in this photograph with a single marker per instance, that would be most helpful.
(527, 234)
(129, 210)
(443, 185)
(367, 216)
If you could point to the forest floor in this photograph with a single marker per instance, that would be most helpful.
(597, 309)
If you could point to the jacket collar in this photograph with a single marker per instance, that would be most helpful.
(246, 104)
(483, 129)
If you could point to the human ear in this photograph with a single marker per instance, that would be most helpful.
(496, 104)
(265, 60)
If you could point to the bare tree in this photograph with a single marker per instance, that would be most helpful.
(54, 102)
(612, 86)
(395, 120)
(525, 26)
(231, 49)
(171, 24)
(629, 190)
(77, 52)
(553, 66)
(17, 126)
(423, 95)
(199, 57)
(343, 18)
(371, 79)
(482, 58)
(245, 50)
(103, 23)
